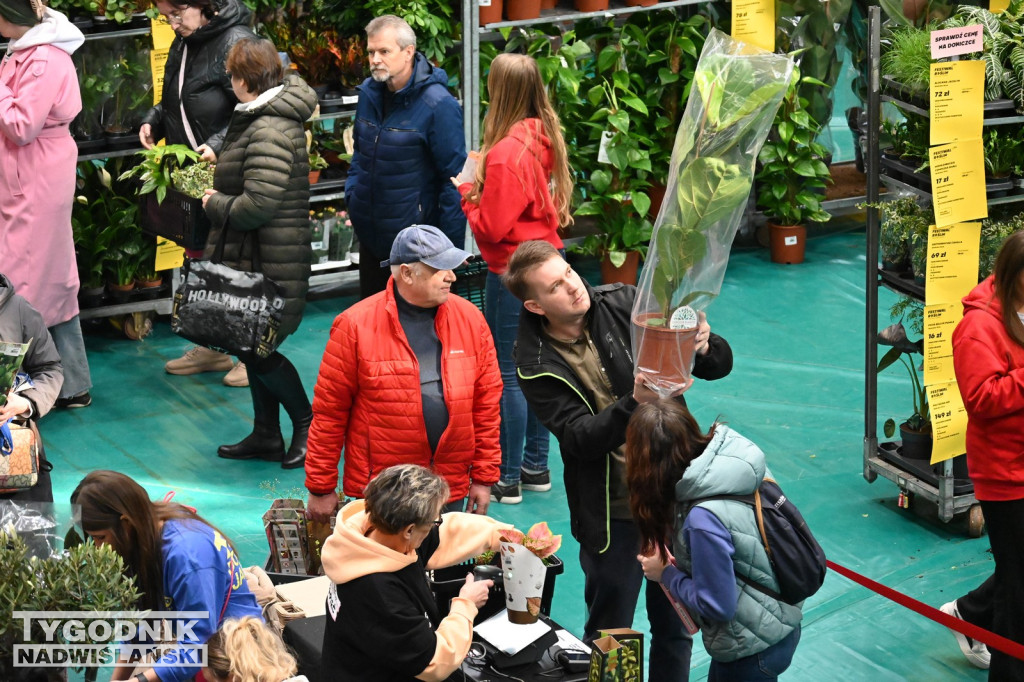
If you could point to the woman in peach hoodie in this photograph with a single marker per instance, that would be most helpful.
(382, 621)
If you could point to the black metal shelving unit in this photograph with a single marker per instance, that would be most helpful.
(938, 484)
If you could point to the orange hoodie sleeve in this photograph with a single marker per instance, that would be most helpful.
(464, 536)
(454, 635)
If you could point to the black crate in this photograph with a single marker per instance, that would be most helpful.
(446, 582)
(179, 218)
(470, 280)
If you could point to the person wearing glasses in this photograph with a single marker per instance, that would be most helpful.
(382, 621)
(194, 110)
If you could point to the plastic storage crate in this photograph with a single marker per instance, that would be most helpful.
(470, 280)
(179, 218)
(446, 582)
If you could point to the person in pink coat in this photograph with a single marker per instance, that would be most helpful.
(39, 97)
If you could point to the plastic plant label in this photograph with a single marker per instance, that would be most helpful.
(684, 317)
(602, 151)
(349, 99)
(955, 41)
(484, 3)
(790, 241)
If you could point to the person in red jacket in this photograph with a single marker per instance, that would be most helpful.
(409, 376)
(988, 357)
(519, 191)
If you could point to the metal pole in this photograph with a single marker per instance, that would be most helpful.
(871, 279)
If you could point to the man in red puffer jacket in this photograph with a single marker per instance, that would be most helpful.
(409, 376)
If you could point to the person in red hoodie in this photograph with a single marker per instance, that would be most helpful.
(520, 190)
(988, 356)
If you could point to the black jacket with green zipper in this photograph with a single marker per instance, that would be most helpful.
(262, 183)
(565, 405)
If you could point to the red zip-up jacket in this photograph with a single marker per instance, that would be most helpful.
(989, 368)
(367, 399)
(515, 204)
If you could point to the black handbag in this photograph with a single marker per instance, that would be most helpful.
(228, 310)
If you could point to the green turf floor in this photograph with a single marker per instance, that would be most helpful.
(797, 389)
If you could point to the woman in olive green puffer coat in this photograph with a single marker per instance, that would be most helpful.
(261, 194)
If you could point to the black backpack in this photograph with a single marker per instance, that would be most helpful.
(796, 557)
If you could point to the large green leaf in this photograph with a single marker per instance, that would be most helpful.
(709, 189)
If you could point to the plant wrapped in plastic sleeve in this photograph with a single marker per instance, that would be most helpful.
(736, 91)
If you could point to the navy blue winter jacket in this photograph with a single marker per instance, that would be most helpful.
(402, 165)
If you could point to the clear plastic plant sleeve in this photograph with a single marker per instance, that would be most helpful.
(736, 92)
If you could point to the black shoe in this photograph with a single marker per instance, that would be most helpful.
(536, 482)
(506, 494)
(295, 458)
(80, 400)
(261, 443)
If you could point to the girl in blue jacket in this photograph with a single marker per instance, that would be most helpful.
(179, 561)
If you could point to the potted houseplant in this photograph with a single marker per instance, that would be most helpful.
(732, 103)
(86, 577)
(902, 219)
(93, 63)
(916, 430)
(792, 173)
(123, 110)
(523, 557)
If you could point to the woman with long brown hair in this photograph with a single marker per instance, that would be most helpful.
(671, 468)
(988, 357)
(180, 561)
(520, 191)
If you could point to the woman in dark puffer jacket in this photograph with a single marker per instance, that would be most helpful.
(260, 196)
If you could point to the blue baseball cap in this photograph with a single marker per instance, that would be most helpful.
(426, 244)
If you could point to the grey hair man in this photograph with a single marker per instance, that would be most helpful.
(408, 142)
(409, 375)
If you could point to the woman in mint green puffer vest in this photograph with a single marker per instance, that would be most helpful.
(670, 465)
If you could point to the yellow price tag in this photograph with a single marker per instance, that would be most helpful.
(168, 255)
(998, 6)
(952, 268)
(163, 35)
(753, 22)
(949, 422)
(958, 182)
(957, 101)
(939, 323)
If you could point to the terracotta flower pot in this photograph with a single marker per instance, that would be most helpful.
(787, 243)
(626, 274)
(665, 355)
(314, 177)
(519, 10)
(548, 4)
(657, 196)
(591, 5)
(492, 14)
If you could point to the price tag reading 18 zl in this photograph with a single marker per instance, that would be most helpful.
(684, 317)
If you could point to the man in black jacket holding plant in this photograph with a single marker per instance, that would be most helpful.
(575, 367)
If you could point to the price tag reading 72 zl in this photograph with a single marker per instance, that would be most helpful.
(957, 101)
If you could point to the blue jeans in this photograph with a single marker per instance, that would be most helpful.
(765, 666)
(611, 588)
(519, 425)
(67, 336)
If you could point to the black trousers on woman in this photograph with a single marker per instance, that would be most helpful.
(1005, 523)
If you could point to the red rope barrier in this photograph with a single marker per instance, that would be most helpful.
(991, 639)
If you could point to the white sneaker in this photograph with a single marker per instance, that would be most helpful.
(976, 653)
(237, 377)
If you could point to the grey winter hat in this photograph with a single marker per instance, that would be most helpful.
(426, 244)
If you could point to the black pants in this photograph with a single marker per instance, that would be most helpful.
(372, 277)
(611, 590)
(975, 607)
(1005, 522)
